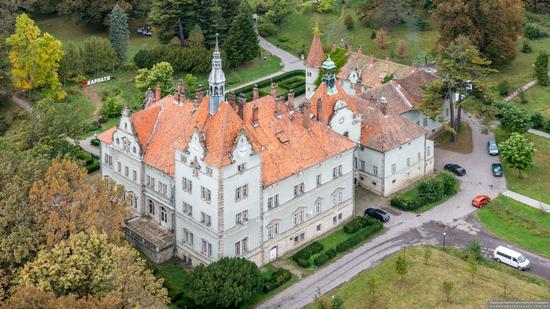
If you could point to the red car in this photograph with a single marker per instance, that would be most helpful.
(480, 200)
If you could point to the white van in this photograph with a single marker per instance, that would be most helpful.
(511, 257)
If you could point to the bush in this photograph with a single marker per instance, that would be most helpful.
(267, 29)
(302, 257)
(405, 204)
(95, 142)
(525, 47)
(112, 106)
(189, 60)
(330, 253)
(373, 227)
(547, 126)
(353, 226)
(348, 22)
(503, 88)
(533, 32)
(514, 119)
(537, 120)
(422, 24)
(93, 167)
(278, 278)
(321, 259)
(430, 190)
(449, 183)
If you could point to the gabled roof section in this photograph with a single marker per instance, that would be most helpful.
(411, 86)
(302, 148)
(315, 56)
(107, 136)
(329, 101)
(373, 70)
(396, 103)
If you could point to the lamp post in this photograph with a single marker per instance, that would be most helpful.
(444, 234)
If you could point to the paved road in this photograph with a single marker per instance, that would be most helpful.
(539, 133)
(527, 200)
(289, 61)
(405, 229)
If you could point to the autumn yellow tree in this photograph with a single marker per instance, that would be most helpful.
(88, 265)
(66, 202)
(34, 58)
(382, 39)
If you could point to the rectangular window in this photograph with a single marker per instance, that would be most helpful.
(299, 189)
(204, 246)
(362, 163)
(241, 167)
(238, 218)
(187, 185)
(187, 237)
(148, 180)
(244, 243)
(408, 161)
(152, 182)
(187, 209)
(334, 219)
(375, 170)
(134, 175)
(428, 151)
(241, 193)
(245, 216)
(245, 191)
(208, 171)
(205, 219)
(118, 167)
(238, 248)
(419, 157)
(318, 206)
(318, 180)
(425, 122)
(273, 201)
(318, 227)
(298, 217)
(206, 194)
(339, 216)
(270, 232)
(393, 168)
(209, 249)
(337, 171)
(126, 171)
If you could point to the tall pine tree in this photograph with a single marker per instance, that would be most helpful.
(211, 21)
(242, 42)
(173, 18)
(118, 32)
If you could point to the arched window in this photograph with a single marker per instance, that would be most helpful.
(163, 214)
(151, 207)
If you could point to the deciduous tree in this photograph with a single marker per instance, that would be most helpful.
(402, 266)
(541, 69)
(161, 74)
(118, 32)
(401, 49)
(66, 203)
(515, 119)
(94, 12)
(98, 55)
(225, 283)
(382, 39)
(493, 26)
(447, 289)
(71, 65)
(380, 13)
(517, 152)
(34, 58)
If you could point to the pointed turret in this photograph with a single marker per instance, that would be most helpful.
(315, 58)
(216, 81)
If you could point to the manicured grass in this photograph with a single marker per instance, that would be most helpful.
(422, 287)
(253, 70)
(174, 276)
(516, 222)
(463, 144)
(538, 98)
(535, 182)
(295, 33)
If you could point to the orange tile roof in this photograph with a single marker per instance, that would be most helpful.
(315, 56)
(164, 127)
(396, 104)
(107, 136)
(302, 148)
(328, 101)
(373, 70)
(411, 86)
(385, 132)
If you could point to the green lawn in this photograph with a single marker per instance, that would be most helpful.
(521, 224)
(295, 33)
(261, 297)
(535, 182)
(464, 141)
(538, 98)
(413, 194)
(422, 287)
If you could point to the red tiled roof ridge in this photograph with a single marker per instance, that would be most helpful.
(316, 55)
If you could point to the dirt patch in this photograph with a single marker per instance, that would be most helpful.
(93, 96)
(464, 143)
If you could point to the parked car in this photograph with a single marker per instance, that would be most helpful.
(510, 257)
(377, 214)
(492, 147)
(497, 169)
(455, 169)
(480, 200)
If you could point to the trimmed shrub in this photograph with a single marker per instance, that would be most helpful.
(278, 278)
(353, 226)
(533, 32)
(330, 253)
(503, 88)
(321, 259)
(537, 120)
(430, 190)
(449, 183)
(92, 167)
(301, 257)
(404, 204)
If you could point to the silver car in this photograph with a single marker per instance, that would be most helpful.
(492, 147)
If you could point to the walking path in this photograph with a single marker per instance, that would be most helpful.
(523, 88)
(289, 61)
(539, 133)
(527, 200)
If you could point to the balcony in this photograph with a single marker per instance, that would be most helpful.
(150, 238)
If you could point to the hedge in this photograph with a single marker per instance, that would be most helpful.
(371, 229)
(92, 167)
(299, 90)
(353, 226)
(278, 278)
(302, 257)
(430, 190)
(321, 259)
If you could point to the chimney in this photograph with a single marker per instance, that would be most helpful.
(306, 113)
(232, 100)
(255, 122)
(358, 88)
(279, 101)
(255, 93)
(319, 109)
(200, 93)
(291, 100)
(273, 90)
(241, 105)
(180, 91)
(383, 105)
(360, 49)
(157, 93)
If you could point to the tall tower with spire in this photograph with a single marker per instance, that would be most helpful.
(329, 72)
(216, 81)
(313, 62)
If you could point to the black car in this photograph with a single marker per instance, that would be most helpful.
(377, 214)
(455, 169)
